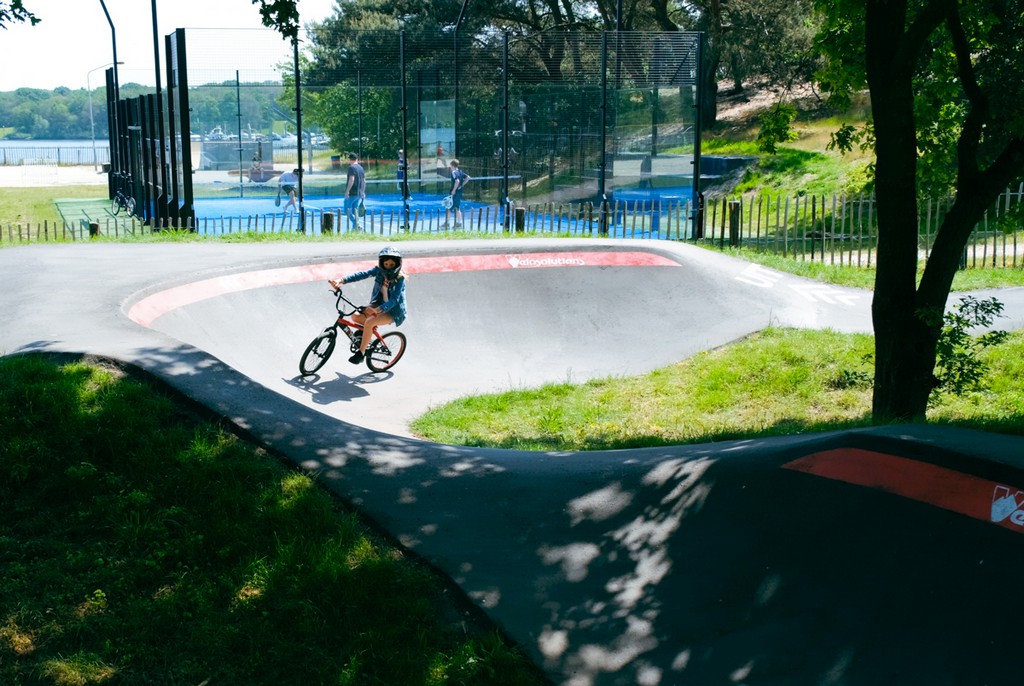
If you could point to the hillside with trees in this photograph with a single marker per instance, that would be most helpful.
(63, 113)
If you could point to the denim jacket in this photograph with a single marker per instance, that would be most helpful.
(395, 304)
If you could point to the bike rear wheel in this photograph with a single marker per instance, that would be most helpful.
(384, 353)
(318, 352)
(115, 205)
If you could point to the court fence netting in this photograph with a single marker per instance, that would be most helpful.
(836, 230)
(558, 117)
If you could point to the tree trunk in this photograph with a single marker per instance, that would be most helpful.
(908, 319)
(904, 364)
(711, 23)
(662, 16)
(904, 344)
(708, 95)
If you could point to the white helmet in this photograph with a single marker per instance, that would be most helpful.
(390, 253)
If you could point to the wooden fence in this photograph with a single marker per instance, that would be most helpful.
(842, 230)
(838, 230)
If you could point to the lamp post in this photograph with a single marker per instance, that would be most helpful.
(92, 121)
(115, 147)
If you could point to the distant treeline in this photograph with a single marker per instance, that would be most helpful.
(63, 113)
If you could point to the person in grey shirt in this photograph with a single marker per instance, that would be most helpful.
(355, 190)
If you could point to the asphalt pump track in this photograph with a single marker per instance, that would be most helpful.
(882, 556)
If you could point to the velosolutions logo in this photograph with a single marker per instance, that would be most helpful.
(517, 261)
(1008, 505)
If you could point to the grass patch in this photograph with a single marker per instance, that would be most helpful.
(999, 406)
(793, 171)
(803, 167)
(776, 382)
(864, 277)
(38, 204)
(140, 544)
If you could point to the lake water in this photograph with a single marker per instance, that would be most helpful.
(53, 152)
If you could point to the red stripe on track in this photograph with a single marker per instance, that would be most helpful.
(145, 311)
(536, 260)
(948, 489)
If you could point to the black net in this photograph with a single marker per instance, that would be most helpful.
(557, 116)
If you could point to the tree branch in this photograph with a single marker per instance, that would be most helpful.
(970, 135)
(280, 14)
(661, 16)
(1005, 167)
(927, 20)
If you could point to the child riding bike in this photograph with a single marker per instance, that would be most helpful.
(387, 299)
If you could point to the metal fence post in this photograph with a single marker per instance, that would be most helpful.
(734, 223)
(520, 219)
(602, 164)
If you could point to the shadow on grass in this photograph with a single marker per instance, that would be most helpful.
(140, 541)
(617, 566)
(596, 441)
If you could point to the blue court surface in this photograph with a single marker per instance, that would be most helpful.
(257, 211)
(672, 193)
(632, 212)
(261, 204)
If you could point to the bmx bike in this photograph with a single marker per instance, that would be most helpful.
(121, 199)
(382, 354)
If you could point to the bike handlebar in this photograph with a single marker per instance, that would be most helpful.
(336, 289)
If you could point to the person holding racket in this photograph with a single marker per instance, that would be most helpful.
(459, 181)
(287, 183)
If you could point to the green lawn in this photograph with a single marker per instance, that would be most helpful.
(864, 277)
(37, 205)
(776, 382)
(143, 544)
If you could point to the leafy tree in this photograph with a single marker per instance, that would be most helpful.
(764, 39)
(771, 41)
(60, 121)
(217, 104)
(760, 38)
(60, 113)
(64, 113)
(15, 11)
(946, 79)
(960, 369)
(280, 14)
(776, 127)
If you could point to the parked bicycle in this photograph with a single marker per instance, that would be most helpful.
(382, 354)
(121, 199)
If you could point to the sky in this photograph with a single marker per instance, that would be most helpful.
(71, 46)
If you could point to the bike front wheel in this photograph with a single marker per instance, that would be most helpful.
(385, 352)
(318, 352)
(115, 205)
